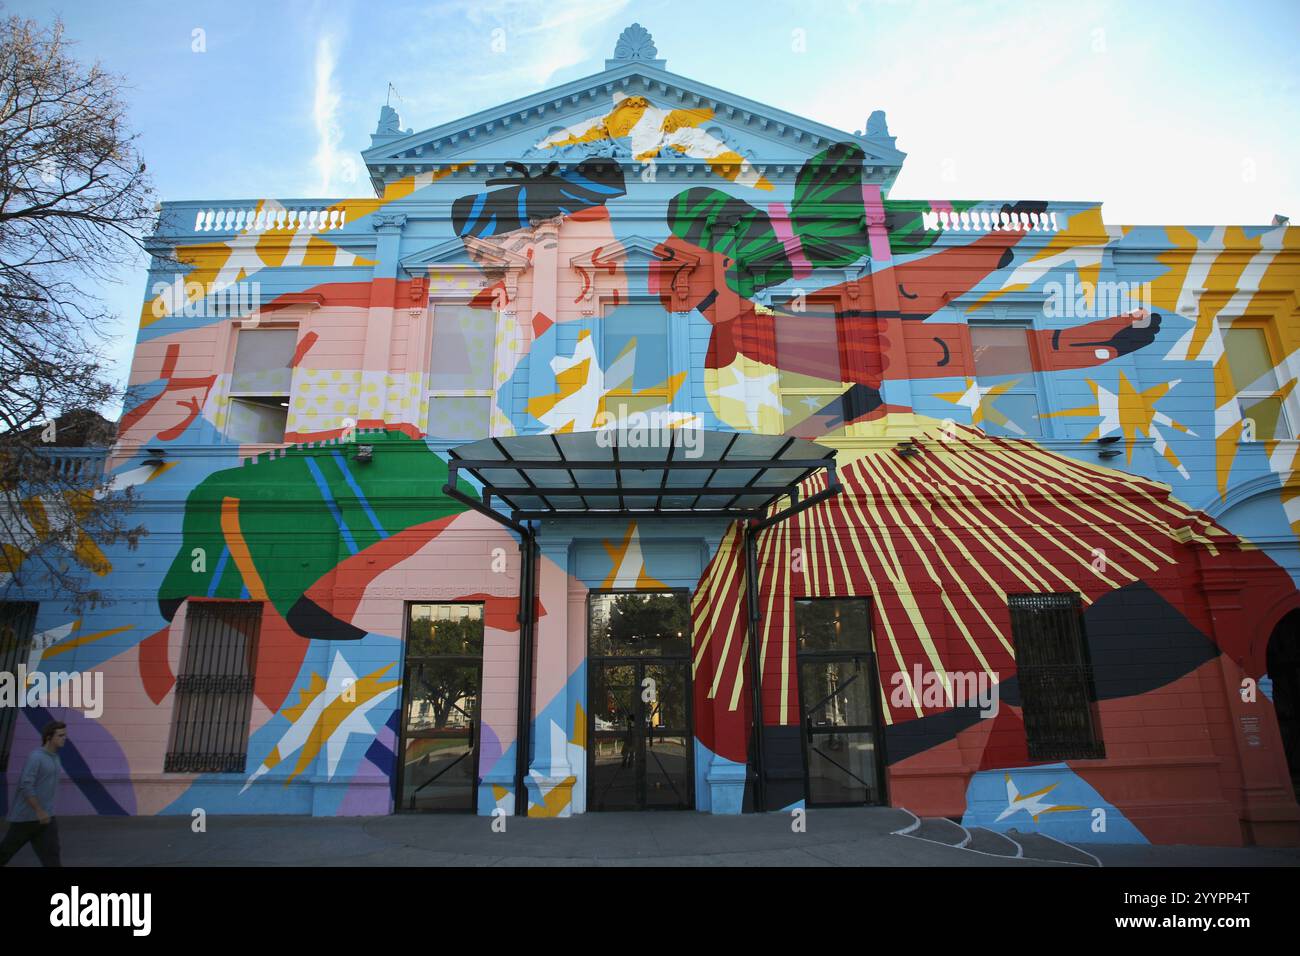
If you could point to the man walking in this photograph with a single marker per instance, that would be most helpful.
(31, 819)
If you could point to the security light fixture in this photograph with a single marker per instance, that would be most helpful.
(365, 453)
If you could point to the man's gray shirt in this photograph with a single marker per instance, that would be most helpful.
(40, 779)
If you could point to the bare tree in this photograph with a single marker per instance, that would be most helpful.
(75, 205)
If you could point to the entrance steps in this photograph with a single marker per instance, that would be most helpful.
(1011, 844)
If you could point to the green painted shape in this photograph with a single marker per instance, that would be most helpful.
(731, 227)
(292, 535)
(827, 211)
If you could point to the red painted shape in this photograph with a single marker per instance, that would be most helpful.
(155, 669)
(392, 293)
(171, 434)
(1144, 793)
(405, 428)
(541, 322)
(489, 298)
(1006, 745)
(304, 346)
(355, 574)
(1046, 485)
(500, 613)
(591, 214)
(280, 653)
(934, 350)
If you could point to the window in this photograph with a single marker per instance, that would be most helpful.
(1009, 404)
(214, 692)
(17, 619)
(810, 372)
(838, 625)
(634, 342)
(461, 372)
(639, 730)
(1057, 692)
(641, 623)
(442, 684)
(1256, 382)
(259, 386)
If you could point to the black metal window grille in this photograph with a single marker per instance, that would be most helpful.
(1057, 689)
(17, 620)
(214, 691)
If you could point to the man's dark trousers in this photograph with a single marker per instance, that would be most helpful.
(44, 838)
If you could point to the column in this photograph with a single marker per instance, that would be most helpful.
(551, 776)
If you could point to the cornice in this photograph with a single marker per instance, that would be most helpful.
(805, 136)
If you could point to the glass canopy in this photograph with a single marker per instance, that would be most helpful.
(683, 472)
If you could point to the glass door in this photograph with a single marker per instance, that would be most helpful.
(639, 715)
(441, 683)
(838, 702)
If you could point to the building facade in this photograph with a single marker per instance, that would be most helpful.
(1048, 581)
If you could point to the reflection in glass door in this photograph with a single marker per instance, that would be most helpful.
(838, 700)
(441, 683)
(639, 723)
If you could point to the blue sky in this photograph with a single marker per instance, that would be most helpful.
(1167, 112)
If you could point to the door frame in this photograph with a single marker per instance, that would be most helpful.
(404, 710)
(594, 660)
(877, 722)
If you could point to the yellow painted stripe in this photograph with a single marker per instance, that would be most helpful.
(69, 643)
(876, 590)
(936, 521)
(1024, 505)
(239, 552)
(906, 597)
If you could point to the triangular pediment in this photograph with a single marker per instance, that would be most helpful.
(468, 253)
(564, 124)
(634, 253)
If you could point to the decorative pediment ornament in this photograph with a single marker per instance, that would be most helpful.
(495, 253)
(576, 152)
(635, 255)
(635, 43)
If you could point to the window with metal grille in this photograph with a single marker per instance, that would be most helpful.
(17, 620)
(1057, 690)
(214, 692)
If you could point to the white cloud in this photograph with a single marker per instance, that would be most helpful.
(328, 160)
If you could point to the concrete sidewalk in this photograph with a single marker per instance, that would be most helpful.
(852, 837)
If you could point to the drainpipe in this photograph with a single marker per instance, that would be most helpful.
(755, 668)
(527, 609)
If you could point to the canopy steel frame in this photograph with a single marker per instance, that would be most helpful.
(522, 521)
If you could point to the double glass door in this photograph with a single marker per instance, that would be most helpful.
(639, 702)
(441, 683)
(838, 703)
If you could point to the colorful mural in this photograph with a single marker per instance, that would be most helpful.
(1023, 399)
